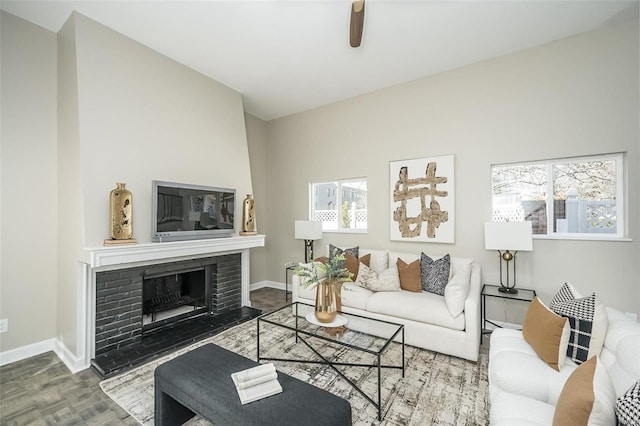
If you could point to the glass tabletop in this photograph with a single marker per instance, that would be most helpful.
(494, 291)
(366, 334)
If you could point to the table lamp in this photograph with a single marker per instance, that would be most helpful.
(508, 238)
(308, 231)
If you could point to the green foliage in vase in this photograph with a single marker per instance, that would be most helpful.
(334, 270)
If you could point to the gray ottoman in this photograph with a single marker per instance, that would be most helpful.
(199, 382)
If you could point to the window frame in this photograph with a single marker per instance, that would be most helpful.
(621, 233)
(339, 200)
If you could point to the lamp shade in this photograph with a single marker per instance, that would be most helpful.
(515, 236)
(308, 230)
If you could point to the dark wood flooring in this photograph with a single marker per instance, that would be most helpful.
(41, 390)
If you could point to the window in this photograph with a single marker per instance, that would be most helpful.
(567, 198)
(340, 205)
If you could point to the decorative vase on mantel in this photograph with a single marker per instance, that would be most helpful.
(326, 310)
(121, 216)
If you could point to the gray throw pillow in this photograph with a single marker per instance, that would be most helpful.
(434, 274)
(337, 251)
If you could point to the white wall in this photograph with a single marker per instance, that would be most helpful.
(28, 183)
(257, 143)
(144, 116)
(576, 96)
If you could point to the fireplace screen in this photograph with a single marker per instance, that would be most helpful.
(174, 294)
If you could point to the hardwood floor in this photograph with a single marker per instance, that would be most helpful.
(41, 391)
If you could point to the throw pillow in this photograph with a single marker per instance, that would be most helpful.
(336, 251)
(388, 280)
(352, 264)
(628, 406)
(587, 319)
(365, 276)
(587, 398)
(409, 275)
(547, 333)
(434, 274)
(457, 290)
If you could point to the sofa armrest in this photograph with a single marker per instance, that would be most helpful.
(295, 288)
(473, 322)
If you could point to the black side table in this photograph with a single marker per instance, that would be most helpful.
(289, 267)
(489, 290)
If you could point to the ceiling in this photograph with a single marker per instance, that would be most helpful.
(291, 56)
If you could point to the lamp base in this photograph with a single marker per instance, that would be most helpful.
(509, 290)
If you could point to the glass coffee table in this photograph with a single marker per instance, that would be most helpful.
(355, 332)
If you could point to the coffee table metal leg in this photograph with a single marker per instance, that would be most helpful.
(403, 352)
(379, 389)
(258, 340)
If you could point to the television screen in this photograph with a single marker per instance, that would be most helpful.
(184, 211)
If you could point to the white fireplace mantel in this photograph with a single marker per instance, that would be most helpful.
(96, 259)
(115, 257)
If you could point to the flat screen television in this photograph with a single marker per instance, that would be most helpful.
(188, 212)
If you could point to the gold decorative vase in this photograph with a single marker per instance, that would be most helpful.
(120, 206)
(248, 216)
(326, 310)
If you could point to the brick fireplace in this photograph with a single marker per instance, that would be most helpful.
(116, 313)
(134, 300)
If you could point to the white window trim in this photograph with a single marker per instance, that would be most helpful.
(621, 196)
(340, 182)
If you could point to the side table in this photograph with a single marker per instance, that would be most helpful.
(288, 267)
(489, 290)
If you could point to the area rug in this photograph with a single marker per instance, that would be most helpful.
(436, 390)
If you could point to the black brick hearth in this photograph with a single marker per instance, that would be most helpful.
(161, 342)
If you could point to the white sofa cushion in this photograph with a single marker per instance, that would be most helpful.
(422, 307)
(508, 409)
(516, 368)
(379, 260)
(621, 346)
(457, 290)
(354, 296)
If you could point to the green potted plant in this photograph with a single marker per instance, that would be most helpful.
(327, 278)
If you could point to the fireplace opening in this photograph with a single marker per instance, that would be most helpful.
(174, 296)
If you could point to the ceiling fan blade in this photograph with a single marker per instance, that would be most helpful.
(357, 23)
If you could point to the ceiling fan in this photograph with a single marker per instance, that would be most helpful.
(357, 23)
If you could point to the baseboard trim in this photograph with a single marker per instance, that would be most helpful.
(27, 351)
(266, 283)
(72, 362)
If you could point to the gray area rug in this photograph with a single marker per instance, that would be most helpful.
(437, 389)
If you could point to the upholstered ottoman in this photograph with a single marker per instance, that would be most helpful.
(199, 382)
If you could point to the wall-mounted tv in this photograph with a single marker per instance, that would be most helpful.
(187, 212)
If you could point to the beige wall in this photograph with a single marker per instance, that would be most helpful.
(257, 142)
(145, 117)
(124, 113)
(577, 96)
(28, 183)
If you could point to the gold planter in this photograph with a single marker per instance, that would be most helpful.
(326, 310)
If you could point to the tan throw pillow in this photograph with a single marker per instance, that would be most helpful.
(587, 398)
(352, 264)
(409, 275)
(547, 333)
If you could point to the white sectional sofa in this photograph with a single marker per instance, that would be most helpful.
(524, 390)
(428, 322)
